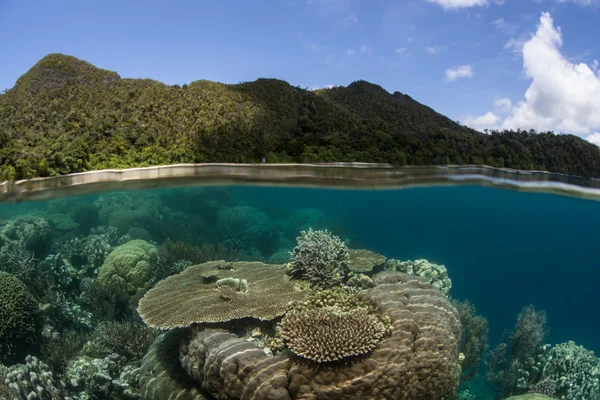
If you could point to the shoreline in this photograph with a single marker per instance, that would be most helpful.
(360, 176)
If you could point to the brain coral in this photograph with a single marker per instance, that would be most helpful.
(219, 291)
(18, 316)
(129, 265)
(418, 361)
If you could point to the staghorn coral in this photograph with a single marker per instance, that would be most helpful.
(418, 361)
(129, 265)
(364, 260)
(193, 296)
(19, 316)
(320, 258)
(435, 274)
(329, 334)
(161, 376)
(33, 380)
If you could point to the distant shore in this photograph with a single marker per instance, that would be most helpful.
(329, 175)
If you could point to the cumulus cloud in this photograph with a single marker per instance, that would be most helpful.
(503, 105)
(454, 4)
(487, 121)
(401, 50)
(563, 96)
(594, 138)
(462, 71)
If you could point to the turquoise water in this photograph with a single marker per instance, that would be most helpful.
(503, 250)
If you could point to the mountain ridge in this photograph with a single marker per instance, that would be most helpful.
(65, 115)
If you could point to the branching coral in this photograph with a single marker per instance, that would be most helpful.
(320, 258)
(328, 334)
(474, 338)
(127, 339)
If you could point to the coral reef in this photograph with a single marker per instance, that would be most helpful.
(103, 378)
(162, 376)
(193, 296)
(33, 380)
(530, 396)
(129, 265)
(320, 258)
(474, 338)
(404, 366)
(249, 225)
(5, 391)
(19, 316)
(364, 260)
(329, 334)
(128, 339)
(33, 232)
(565, 371)
(435, 274)
(516, 352)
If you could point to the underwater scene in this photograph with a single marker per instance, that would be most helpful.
(281, 293)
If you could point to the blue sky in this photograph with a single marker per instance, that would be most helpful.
(486, 63)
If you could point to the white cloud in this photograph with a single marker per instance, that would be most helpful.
(350, 52)
(594, 138)
(318, 87)
(583, 3)
(366, 49)
(410, 40)
(504, 26)
(595, 65)
(401, 50)
(487, 121)
(453, 4)
(563, 96)
(503, 105)
(340, 11)
(462, 71)
(434, 49)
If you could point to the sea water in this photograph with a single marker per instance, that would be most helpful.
(503, 250)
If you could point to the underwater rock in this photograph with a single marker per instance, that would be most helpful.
(418, 361)
(193, 296)
(129, 265)
(33, 380)
(320, 258)
(435, 274)
(161, 374)
(19, 316)
(364, 260)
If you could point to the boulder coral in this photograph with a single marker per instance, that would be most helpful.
(128, 265)
(19, 316)
(419, 360)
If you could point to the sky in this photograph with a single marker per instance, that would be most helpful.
(489, 64)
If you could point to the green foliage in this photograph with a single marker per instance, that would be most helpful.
(64, 115)
(19, 317)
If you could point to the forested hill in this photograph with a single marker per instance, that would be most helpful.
(65, 115)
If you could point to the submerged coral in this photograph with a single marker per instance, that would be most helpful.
(320, 258)
(19, 316)
(364, 260)
(403, 366)
(33, 380)
(435, 274)
(474, 338)
(194, 296)
(129, 265)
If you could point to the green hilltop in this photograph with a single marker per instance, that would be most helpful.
(65, 115)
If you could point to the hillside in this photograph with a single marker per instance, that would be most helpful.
(65, 115)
